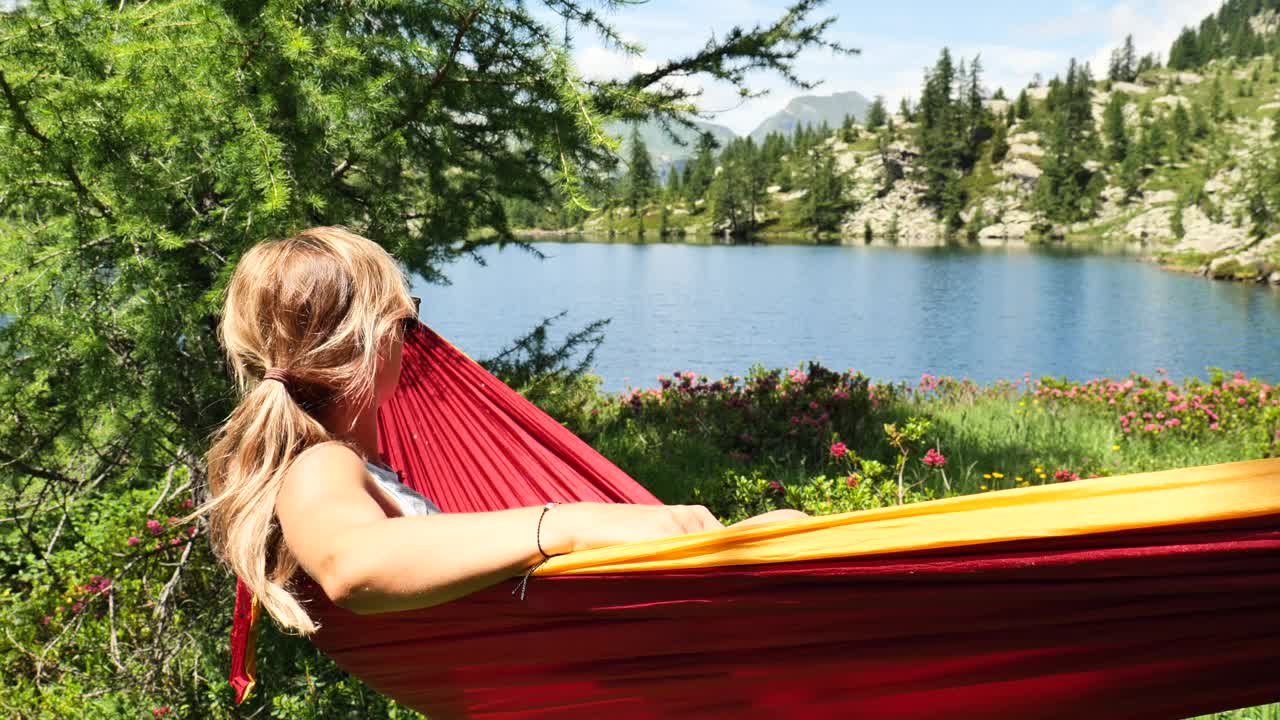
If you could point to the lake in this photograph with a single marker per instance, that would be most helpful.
(891, 313)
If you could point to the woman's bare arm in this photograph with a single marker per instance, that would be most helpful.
(369, 563)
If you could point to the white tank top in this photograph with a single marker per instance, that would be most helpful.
(406, 498)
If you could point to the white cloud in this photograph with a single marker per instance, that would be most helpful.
(1154, 24)
(894, 66)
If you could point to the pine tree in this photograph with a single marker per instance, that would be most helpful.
(147, 147)
(848, 129)
(1180, 124)
(1114, 127)
(999, 144)
(1066, 191)
(1130, 175)
(891, 235)
(1124, 62)
(905, 110)
(876, 114)
(1023, 105)
(823, 202)
(673, 183)
(739, 188)
(640, 177)
(940, 137)
(1217, 101)
(702, 169)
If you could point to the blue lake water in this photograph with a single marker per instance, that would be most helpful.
(891, 313)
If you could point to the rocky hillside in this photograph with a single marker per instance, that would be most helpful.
(1192, 209)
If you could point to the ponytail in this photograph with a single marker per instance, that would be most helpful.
(320, 305)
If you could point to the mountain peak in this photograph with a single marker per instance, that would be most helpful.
(814, 110)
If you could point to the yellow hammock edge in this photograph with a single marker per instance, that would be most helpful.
(1208, 493)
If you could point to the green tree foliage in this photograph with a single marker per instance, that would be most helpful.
(1000, 144)
(674, 189)
(739, 188)
(1124, 62)
(876, 114)
(1226, 33)
(953, 125)
(1113, 124)
(824, 184)
(641, 177)
(147, 146)
(1065, 192)
(1023, 106)
(1182, 130)
(701, 170)
(1130, 175)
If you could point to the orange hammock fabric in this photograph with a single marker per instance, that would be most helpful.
(1150, 595)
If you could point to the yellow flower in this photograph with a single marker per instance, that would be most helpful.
(1019, 478)
(1039, 469)
(1115, 447)
(997, 475)
(984, 487)
(986, 476)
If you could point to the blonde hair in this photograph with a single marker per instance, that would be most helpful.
(321, 306)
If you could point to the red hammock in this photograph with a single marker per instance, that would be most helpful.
(1164, 621)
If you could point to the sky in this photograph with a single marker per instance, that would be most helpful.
(897, 39)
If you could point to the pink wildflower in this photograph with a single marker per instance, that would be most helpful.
(1065, 475)
(188, 504)
(839, 450)
(154, 526)
(133, 540)
(852, 480)
(933, 458)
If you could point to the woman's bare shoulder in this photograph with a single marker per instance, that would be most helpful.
(322, 471)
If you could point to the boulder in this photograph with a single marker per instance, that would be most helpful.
(1017, 149)
(1130, 88)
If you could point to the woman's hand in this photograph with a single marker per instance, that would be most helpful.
(772, 516)
(582, 526)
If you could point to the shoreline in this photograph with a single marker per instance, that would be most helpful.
(1136, 249)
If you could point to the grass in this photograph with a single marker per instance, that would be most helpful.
(684, 440)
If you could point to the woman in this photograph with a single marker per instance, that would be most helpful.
(313, 328)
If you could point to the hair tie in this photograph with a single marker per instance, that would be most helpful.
(277, 374)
